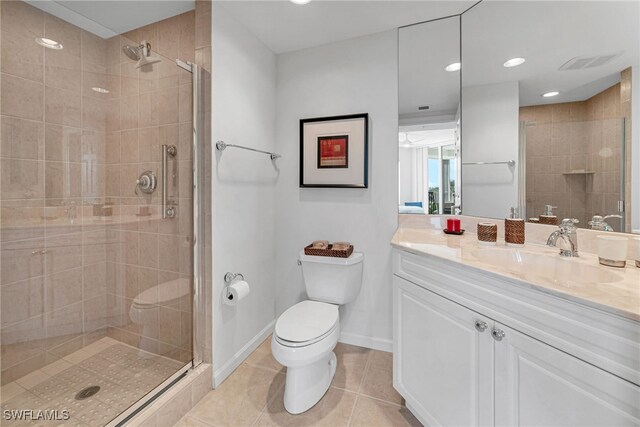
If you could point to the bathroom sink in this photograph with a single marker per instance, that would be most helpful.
(563, 272)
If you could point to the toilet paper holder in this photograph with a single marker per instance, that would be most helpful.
(230, 277)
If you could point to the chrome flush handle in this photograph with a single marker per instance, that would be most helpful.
(480, 325)
(497, 334)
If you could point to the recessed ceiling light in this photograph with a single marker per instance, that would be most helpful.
(550, 94)
(51, 44)
(453, 67)
(513, 62)
(300, 1)
(100, 90)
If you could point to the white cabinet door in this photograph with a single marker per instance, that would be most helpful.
(443, 365)
(539, 385)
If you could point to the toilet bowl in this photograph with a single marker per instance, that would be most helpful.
(306, 334)
(144, 309)
(303, 341)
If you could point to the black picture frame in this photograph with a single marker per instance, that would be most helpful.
(365, 117)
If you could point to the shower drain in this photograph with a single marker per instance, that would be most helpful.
(87, 392)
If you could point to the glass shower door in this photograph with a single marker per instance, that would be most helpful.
(96, 230)
(606, 191)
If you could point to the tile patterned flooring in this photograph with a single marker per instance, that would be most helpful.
(124, 373)
(361, 394)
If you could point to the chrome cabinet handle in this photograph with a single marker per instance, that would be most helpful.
(497, 334)
(167, 151)
(480, 325)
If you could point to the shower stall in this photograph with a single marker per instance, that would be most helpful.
(577, 167)
(103, 219)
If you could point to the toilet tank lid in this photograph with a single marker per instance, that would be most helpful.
(354, 258)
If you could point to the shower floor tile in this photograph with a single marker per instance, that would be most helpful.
(123, 373)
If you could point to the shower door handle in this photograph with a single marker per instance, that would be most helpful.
(167, 151)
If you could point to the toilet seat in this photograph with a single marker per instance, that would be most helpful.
(306, 323)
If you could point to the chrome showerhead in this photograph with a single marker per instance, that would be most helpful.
(132, 52)
(141, 53)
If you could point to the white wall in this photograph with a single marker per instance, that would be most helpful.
(243, 103)
(490, 128)
(353, 76)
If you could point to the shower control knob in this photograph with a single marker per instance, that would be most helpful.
(171, 212)
(146, 182)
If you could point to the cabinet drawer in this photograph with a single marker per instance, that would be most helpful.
(605, 340)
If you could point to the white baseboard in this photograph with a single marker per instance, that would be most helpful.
(227, 369)
(368, 342)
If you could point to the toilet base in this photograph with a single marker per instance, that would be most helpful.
(306, 385)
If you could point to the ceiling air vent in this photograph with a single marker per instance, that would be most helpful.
(584, 62)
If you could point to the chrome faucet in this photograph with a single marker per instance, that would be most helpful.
(568, 233)
(600, 223)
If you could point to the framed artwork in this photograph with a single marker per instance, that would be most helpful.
(334, 151)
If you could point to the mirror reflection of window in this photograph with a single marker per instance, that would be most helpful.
(428, 170)
(448, 178)
(433, 172)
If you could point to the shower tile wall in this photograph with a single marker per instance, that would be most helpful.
(52, 161)
(68, 276)
(153, 107)
(603, 189)
(574, 136)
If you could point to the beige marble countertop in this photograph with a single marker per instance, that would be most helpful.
(582, 280)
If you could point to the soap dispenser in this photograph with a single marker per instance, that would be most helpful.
(548, 217)
(514, 230)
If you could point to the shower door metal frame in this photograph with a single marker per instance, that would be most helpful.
(622, 203)
(199, 79)
(199, 212)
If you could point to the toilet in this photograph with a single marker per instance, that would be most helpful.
(306, 334)
(144, 308)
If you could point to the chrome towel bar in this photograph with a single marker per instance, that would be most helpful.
(221, 145)
(509, 162)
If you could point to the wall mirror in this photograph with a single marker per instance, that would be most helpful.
(429, 109)
(544, 122)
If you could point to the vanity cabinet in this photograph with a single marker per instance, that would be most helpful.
(443, 365)
(459, 361)
(539, 385)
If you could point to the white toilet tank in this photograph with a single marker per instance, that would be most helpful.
(332, 280)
